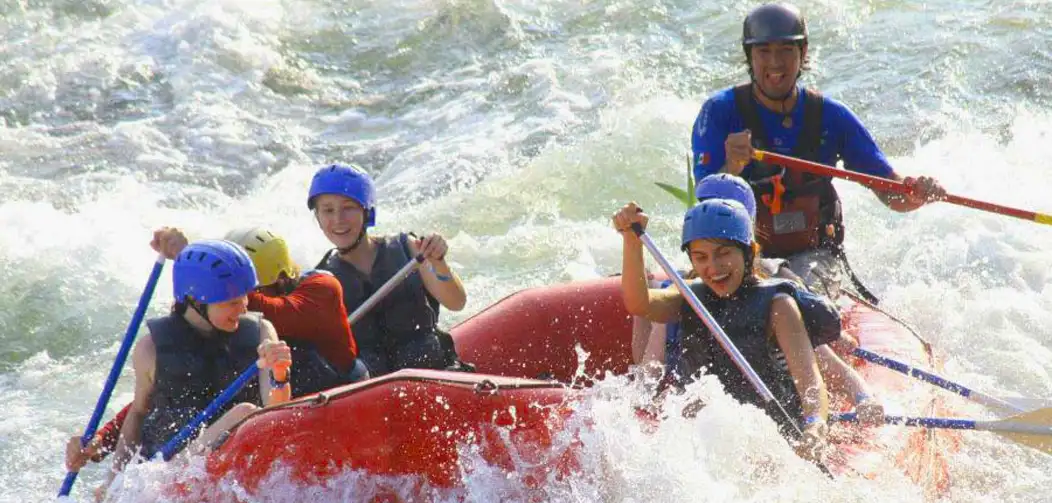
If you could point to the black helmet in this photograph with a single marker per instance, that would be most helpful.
(774, 23)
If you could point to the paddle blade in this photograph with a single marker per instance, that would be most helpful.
(1022, 404)
(678, 193)
(1032, 429)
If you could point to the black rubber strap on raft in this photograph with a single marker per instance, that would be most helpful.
(862, 290)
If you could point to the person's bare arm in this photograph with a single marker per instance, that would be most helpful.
(144, 361)
(791, 335)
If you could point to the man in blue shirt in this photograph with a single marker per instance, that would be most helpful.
(799, 216)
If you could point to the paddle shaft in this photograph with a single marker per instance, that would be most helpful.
(942, 382)
(1007, 404)
(118, 365)
(169, 449)
(395, 280)
(954, 424)
(883, 184)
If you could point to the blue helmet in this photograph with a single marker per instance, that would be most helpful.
(349, 181)
(717, 219)
(211, 271)
(727, 186)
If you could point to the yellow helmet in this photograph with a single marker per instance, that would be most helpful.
(268, 252)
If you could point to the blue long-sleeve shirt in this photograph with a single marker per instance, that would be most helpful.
(843, 136)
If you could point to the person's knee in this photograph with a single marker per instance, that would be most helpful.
(845, 345)
(241, 411)
(359, 372)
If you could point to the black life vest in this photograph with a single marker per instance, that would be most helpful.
(192, 369)
(744, 318)
(808, 215)
(401, 330)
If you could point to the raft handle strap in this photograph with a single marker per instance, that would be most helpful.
(320, 400)
(486, 387)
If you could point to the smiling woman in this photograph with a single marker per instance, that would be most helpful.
(402, 332)
(761, 318)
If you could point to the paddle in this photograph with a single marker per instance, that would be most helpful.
(115, 370)
(1005, 404)
(883, 184)
(1032, 429)
(169, 449)
(717, 332)
(402, 273)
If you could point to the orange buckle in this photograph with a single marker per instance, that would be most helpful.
(774, 201)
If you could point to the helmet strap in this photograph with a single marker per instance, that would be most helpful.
(354, 245)
(796, 79)
(202, 309)
(780, 99)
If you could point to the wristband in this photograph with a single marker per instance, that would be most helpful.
(813, 419)
(274, 383)
(441, 277)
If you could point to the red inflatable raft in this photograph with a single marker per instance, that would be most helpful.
(420, 423)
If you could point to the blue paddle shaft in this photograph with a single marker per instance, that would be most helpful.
(118, 365)
(923, 375)
(219, 402)
(925, 422)
(912, 371)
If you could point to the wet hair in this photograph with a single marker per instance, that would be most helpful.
(752, 263)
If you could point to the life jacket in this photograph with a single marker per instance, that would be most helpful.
(672, 345)
(400, 328)
(191, 370)
(744, 318)
(795, 211)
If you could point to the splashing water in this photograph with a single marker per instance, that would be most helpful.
(514, 129)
